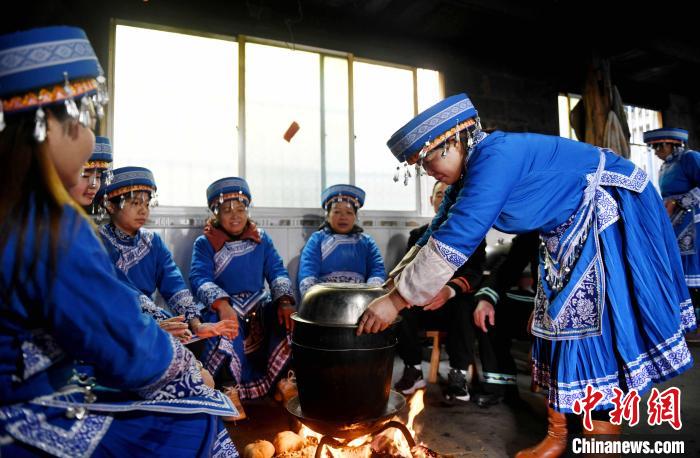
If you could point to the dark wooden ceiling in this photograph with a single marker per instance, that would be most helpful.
(653, 50)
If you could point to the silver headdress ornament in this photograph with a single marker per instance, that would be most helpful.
(473, 134)
(69, 103)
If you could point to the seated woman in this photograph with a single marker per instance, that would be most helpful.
(142, 259)
(94, 170)
(339, 251)
(58, 292)
(230, 263)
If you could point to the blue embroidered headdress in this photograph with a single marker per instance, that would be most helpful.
(666, 135)
(127, 181)
(342, 193)
(229, 188)
(432, 128)
(49, 66)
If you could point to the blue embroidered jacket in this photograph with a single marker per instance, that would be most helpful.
(49, 323)
(144, 262)
(679, 179)
(336, 258)
(520, 183)
(680, 174)
(238, 272)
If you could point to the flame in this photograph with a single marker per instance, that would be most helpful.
(391, 441)
(415, 406)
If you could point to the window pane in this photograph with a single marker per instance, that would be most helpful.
(283, 86)
(640, 120)
(429, 93)
(337, 146)
(429, 90)
(383, 102)
(176, 110)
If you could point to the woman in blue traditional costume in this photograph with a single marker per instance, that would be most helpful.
(679, 181)
(95, 169)
(230, 263)
(144, 262)
(60, 299)
(339, 252)
(611, 305)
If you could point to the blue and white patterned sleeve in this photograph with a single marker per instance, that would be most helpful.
(182, 378)
(310, 263)
(202, 273)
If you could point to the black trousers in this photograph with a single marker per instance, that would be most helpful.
(498, 366)
(455, 317)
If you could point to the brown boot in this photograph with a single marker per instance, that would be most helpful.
(554, 444)
(232, 394)
(603, 428)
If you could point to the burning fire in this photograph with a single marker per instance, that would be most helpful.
(389, 442)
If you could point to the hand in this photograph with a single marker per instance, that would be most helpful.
(176, 327)
(284, 315)
(225, 328)
(207, 378)
(381, 313)
(224, 310)
(484, 311)
(439, 300)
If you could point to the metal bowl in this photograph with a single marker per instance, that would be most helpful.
(337, 304)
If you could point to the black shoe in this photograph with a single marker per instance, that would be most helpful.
(486, 400)
(411, 380)
(456, 390)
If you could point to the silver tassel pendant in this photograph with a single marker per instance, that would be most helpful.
(84, 118)
(40, 125)
(71, 109)
(396, 174)
(102, 94)
(216, 210)
(99, 109)
(221, 198)
(122, 202)
(444, 151)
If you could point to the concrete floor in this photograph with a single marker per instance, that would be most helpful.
(500, 431)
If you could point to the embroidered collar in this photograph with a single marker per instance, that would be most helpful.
(121, 236)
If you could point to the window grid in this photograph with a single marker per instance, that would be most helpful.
(420, 191)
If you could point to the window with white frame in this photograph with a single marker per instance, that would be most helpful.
(639, 120)
(177, 101)
(175, 109)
